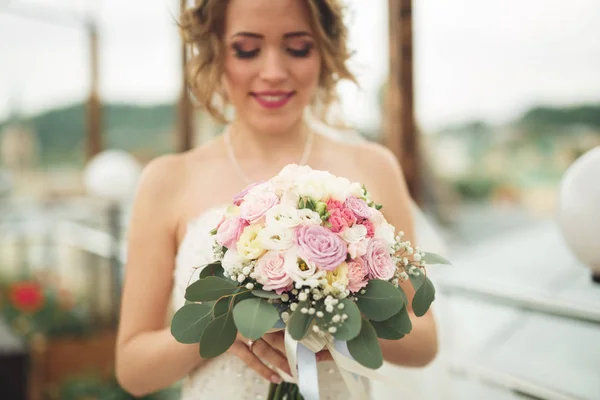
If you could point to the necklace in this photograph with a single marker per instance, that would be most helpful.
(248, 180)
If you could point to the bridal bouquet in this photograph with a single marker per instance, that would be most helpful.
(310, 253)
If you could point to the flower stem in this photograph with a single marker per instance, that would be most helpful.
(272, 388)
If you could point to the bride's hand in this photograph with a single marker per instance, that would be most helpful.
(263, 355)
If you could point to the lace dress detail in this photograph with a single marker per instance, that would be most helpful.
(227, 377)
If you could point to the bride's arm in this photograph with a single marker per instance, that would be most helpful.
(148, 358)
(420, 346)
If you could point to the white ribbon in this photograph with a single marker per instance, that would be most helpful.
(302, 366)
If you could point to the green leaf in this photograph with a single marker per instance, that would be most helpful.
(365, 347)
(299, 323)
(213, 269)
(244, 294)
(432, 258)
(403, 293)
(189, 322)
(417, 280)
(254, 317)
(265, 295)
(218, 336)
(222, 306)
(423, 298)
(395, 327)
(210, 289)
(350, 328)
(380, 301)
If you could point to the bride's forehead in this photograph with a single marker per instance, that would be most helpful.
(267, 15)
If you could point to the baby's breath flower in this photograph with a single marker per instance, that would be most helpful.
(332, 329)
(320, 314)
(316, 329)
(250, 286)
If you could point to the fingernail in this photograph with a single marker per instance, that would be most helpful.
(276, 379)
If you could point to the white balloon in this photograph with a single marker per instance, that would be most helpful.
(579, 209)
(112, 175)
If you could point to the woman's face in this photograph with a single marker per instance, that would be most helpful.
(272, 64)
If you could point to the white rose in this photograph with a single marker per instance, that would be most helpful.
(356, 190)
(284, 215)
(339, 188)
(276, 237)
(260, 189)
(311, 187)
(232, 262)
(354, 234)
(358, 249)
(301, 271)
(386, 232)
(309, 217)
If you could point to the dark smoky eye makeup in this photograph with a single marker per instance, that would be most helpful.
(245, 51)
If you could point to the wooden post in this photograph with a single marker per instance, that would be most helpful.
(400, 132)
(94, 110)
(185, 126)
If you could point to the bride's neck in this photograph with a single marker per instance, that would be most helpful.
(249, 142)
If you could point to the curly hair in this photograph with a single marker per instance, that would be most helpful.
(202, 27)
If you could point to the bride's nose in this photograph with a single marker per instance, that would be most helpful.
(273, 68)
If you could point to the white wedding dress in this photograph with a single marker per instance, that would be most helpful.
(227, 377)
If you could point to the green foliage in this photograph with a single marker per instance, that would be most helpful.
(563, 116)
(380, 301)
(395, 327)
(432, 259)
(189, 322)
(210, 289)
(218, 336)
(299, 323)
(213, 269)
(423, 298)
(365, 347)
(254, 317)
(350, 328)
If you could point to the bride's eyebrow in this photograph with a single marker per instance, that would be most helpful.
(259, 36)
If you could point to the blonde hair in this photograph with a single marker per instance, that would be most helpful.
(202, 27)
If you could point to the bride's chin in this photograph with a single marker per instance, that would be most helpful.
(276, 125)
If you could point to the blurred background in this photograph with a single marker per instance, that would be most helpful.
(488, 104)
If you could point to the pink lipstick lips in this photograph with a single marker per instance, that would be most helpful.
(272, 98)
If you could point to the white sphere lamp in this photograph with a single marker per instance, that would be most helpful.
(579, 209)
(112, 175)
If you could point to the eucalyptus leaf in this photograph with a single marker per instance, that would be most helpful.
(432, 259)
(423, 298)
(395, 327)
(218, 336)
(189, 322)
(210, 289)
(403, 293)
(380, 301)
(350, 328)
(265, 294)
(213, 269)
(254, 317)
(417, 280)
(222, 306)
(365, 347)
(299, 323)
(242, 295)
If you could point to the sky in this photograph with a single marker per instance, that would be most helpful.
(474, 59)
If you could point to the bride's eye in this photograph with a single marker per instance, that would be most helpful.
(300, 52)
(240, 52)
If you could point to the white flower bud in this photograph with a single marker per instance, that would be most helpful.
(363, 291)
(304, 310)
(417, 257)
(344, 317)
(332, 329)
(315, 329)
(241, 278)
(320, 314)
(250, 286)
(246, 270)
(302, 296)
(311, 311)
(294, 292)
(293, 306)
(336, 318)
(341, 306)
(285, 297)
(329, 309)
(285, 316)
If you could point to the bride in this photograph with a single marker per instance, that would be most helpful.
(270, 61)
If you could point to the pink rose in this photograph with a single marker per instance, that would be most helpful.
(337, 221)
(238, 198)
(333, 204)
(378, 260)
(254, 208)
(359, 207)
(320, 246)
(229, 231)
(270, 272)
(369, 225)
(348, 215)
(357, 275)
